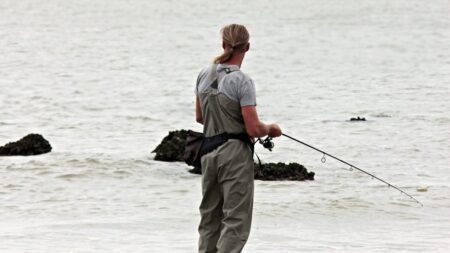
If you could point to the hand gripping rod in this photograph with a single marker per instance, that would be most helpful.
(353, 166)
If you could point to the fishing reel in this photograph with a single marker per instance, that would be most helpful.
(267, 143)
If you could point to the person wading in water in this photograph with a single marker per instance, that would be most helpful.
(226, 106)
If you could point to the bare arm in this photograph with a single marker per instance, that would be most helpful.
(255, 127)
(198, 111)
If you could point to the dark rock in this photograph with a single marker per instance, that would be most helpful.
(32, 144)
(282, 171)
(358, 119)
(171, 148)
(196, 170)
(277, 172)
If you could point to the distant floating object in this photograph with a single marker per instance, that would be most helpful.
(422, 189)
(358, 119)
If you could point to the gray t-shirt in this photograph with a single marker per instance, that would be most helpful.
(236, 85)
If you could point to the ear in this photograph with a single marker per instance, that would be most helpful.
(247, 47)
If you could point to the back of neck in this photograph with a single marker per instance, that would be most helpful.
(235, 60)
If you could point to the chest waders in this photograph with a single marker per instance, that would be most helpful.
(227, 174)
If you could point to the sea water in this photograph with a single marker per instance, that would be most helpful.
(104, 82)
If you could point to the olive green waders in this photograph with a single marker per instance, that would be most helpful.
(227, 181)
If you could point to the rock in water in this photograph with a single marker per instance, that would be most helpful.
(171, 148)
(32, 144)
(358, 119)
(277, 172)
(196, 170)
(282, 171)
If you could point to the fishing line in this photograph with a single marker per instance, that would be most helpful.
(324, 159)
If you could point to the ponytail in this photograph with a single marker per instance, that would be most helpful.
(234, 37)
(225, 56)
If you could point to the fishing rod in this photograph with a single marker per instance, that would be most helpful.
(269, 145)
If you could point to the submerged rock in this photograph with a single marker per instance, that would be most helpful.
(171, 149)
(32, 144)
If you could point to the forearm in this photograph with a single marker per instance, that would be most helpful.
(259, 130)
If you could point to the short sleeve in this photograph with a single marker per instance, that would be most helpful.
(247, 93)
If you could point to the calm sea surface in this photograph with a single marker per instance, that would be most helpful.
(104, 81)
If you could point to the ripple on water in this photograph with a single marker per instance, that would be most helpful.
(72, 175)
(122, 172)
(381, 115)
(141, 118)
(13, 186)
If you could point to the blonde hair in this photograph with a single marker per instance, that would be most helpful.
(234, 37)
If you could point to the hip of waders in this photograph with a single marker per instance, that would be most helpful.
(198, 145)
(213, 142)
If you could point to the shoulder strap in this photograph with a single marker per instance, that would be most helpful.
(214, 72)
(215, 83)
